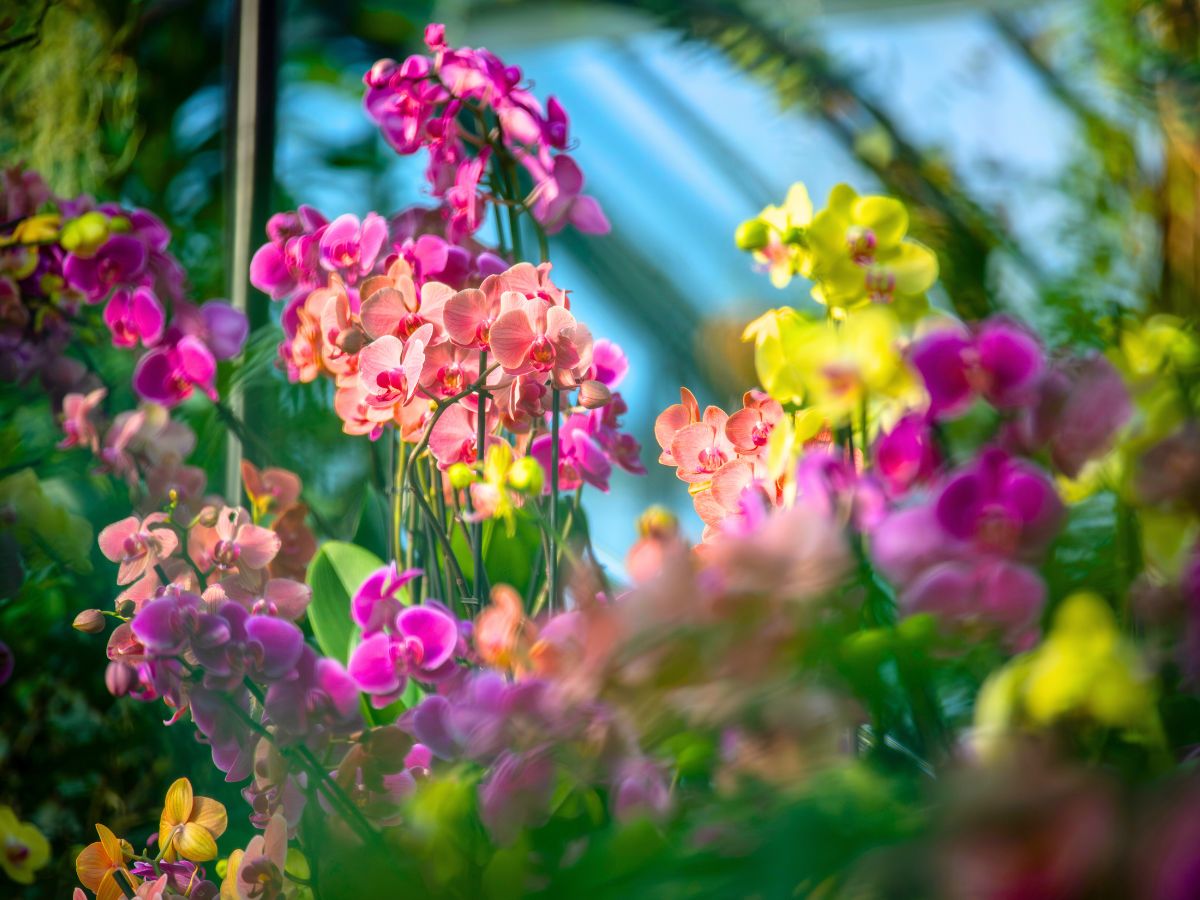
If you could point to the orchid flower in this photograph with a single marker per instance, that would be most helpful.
(539, 337)
(423, 641)
(133, 317)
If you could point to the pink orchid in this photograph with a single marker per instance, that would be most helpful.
(350, 247)
(530, 281)
(232, 543)
(391, 305)
(538, 337)
(138, 545)
(169, 372)
(134, 316)
(749, 428)
(357, 415)
(522, 401)
(466, 207)
(699, 450)
(389, 369)
(469, 315)
(375, 605)
(448, 370)
(114, 455)
(78, 428)
(454, 438)
(725, 506)
(557, 198)
(674, 419)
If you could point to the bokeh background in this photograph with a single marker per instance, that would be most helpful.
(1048, 150)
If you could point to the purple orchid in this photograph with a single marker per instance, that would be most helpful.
(516, 794)
(581, 458)
(169, 373)
(262, 648)
(317, 697)
(1081, 406)
(422, 644)
(1000, 361)
(1000, 505)
(120, 260)
(375, 605)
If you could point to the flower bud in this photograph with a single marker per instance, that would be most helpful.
(90, 621)
(752, 234)
(118, 678)
(84, 235)
(594, 395)
(461, 475)
(126, 608)
(659, 522)
(527, 476)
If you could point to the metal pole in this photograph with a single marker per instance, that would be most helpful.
(251, 125)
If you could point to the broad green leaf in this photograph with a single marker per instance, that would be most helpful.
(334, 575)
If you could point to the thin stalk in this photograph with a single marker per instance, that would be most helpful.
(439, 533)
(480, 446)
(396, 492)
(552, 560)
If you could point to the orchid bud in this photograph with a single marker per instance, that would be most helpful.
(752, 234)
(83, 236)
(461, 475)
(126, 608)
(594, 394)
(659, 522)
(208, 517)
(118, 678)
(90, 621)
(527, 476)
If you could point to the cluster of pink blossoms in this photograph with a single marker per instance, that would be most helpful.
(61, 258)
(424, 102)
(396, 345)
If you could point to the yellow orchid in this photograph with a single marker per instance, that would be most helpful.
(1084, 669)
(777, 334)
(860, 254)
(23, 849)
(190, 825)
(98, 863)
(37, 229)
(777, 236)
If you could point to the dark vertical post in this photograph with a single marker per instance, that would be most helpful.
(250, 130)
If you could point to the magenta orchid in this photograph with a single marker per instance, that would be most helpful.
(419, 642)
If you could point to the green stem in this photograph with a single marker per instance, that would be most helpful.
(552, 561)
(480, 450)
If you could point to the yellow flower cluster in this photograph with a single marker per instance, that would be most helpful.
(855, 250)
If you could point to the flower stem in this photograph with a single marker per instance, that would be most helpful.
(552, 560)
(480, 450)
(397, 492)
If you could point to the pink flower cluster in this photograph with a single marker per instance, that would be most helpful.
(421, 103)
(720, 455)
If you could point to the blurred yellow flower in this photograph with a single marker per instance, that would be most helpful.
(23, 849)
(1084, 669)
(190, 825)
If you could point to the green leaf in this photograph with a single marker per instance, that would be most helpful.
(334, 575)
(507, 560)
